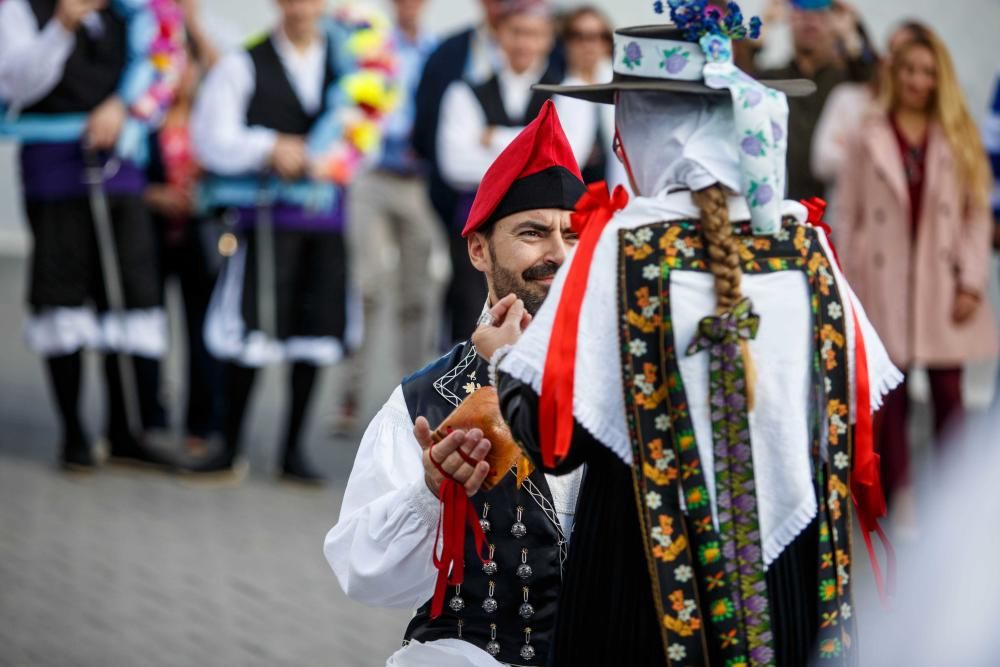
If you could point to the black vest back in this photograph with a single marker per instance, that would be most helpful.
(491, 100)
(433, 393)
(274, 103)
(94, 66)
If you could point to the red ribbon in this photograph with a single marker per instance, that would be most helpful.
(866, 481)
(555, 406)
(457, 511)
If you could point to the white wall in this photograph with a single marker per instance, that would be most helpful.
(971, 28)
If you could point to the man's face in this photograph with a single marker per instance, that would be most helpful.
(525, 39)
(812, 32)
(408, 11)
(523, 253)
(299, 17)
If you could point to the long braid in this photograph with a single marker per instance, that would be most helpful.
(724, 263)
(722, 246)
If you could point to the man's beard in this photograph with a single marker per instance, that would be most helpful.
(524, 287)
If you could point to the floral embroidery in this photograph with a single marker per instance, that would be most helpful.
(827, 589)
(760, 193)
(653, 500)
(662, 422)
(676, 652)
(709, 553)
(633, 55)
(829, 648)
(637, 347)
(674, 60)
(754, 144)
(721, 609)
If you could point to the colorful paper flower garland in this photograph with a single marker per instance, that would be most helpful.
(365, 95)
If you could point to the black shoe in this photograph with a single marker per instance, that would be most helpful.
(218, 468)
(78, 457)
(133, 454)
(297, 470)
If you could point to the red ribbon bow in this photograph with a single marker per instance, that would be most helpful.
(555, 408)
(457, 511)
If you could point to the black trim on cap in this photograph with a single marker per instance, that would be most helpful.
(555, 187)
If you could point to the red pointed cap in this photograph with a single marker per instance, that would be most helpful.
(537, 170)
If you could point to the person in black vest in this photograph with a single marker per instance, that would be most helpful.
(479, 120)
(283, 295)
(517, 234)
(70, 80)
(471, 55)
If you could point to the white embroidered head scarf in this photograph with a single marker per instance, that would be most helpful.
(676, 141)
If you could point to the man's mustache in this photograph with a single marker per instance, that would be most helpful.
(541, 271)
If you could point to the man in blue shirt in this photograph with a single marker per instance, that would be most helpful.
(395, 238)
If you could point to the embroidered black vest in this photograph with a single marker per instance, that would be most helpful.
(433, 393)
(94, 66)
(490, 99)
(274, 103)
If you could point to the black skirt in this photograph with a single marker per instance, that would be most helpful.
(310, 284)
(65, 269)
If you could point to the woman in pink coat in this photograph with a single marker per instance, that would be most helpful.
(914, 235)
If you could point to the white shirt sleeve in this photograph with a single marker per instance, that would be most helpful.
(462, 156)
(223, 142)
(31, 60)
(381, 548)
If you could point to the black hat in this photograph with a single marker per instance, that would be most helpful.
(658, 57)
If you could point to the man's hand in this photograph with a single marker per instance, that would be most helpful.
(170, 202)
(447, 455)
(288, 157)
(509, 319)
(966, 304)
(844, 21)
(105, 124)
(71, 12)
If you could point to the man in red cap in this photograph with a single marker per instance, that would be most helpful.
(383, 547)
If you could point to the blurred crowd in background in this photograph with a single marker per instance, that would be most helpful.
(888, 141)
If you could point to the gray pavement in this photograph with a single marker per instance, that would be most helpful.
(127, 567)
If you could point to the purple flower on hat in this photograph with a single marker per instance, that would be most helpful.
(633, 55)
(760, 194)
(754, 144)
(674, 60)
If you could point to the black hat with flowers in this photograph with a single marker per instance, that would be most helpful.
(671, 56)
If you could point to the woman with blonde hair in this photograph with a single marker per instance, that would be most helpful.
(914, 236)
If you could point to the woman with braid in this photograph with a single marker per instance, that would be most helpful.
(705, 360)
